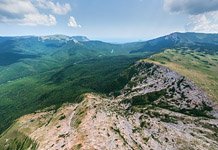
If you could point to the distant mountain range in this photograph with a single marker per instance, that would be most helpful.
(198, 41)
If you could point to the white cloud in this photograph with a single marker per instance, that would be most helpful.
(56, 8)
(16, 9)
(206, 22)
(72, 23)
(38, 19)
(29, 12)
(31, 20)
(202, 14)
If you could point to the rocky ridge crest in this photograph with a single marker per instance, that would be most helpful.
(157, 109)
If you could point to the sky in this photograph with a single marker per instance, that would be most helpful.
(107, 20)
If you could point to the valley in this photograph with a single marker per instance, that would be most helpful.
(147, 114)
(60, 73)
(159, 94)
(108, 75)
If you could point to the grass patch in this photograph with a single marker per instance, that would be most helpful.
(79, 114)
(15, 140)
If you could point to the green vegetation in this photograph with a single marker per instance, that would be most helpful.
(52, 73)
(149, 101)
(78, 147)
(213, 128)
(42, 74)
(15, 140)
(57, 86)
(200, 67)
(146, 99)
(79, 115)
(168, 119)
(62, 117)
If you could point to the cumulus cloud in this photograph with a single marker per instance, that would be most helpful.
(56, 8)
(29, 12)
(16, 9)
(38, 19)
(202, 14)
(207, 22)
(72, 23)
(192, 7)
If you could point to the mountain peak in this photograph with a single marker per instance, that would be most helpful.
(80, 38)
(173, 36)
(200, 41)
(63, 38)
(55, 37)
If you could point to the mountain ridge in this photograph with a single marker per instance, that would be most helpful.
(199, 41)
(54, 72)
(201, 34)
(136, 119)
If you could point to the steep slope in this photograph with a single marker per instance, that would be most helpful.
(202, 68)
(157, 109)
(164, 88)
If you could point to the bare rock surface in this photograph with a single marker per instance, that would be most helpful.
(157, 110)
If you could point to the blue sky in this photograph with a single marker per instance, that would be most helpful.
(108, 20)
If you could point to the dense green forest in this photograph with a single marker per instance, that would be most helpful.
(39, 72)
(52, 72)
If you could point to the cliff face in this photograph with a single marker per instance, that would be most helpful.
(157, 109)
(161, 87)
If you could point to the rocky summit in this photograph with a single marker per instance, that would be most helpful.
(158, 109)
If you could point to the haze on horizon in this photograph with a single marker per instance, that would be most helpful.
(114, 21)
